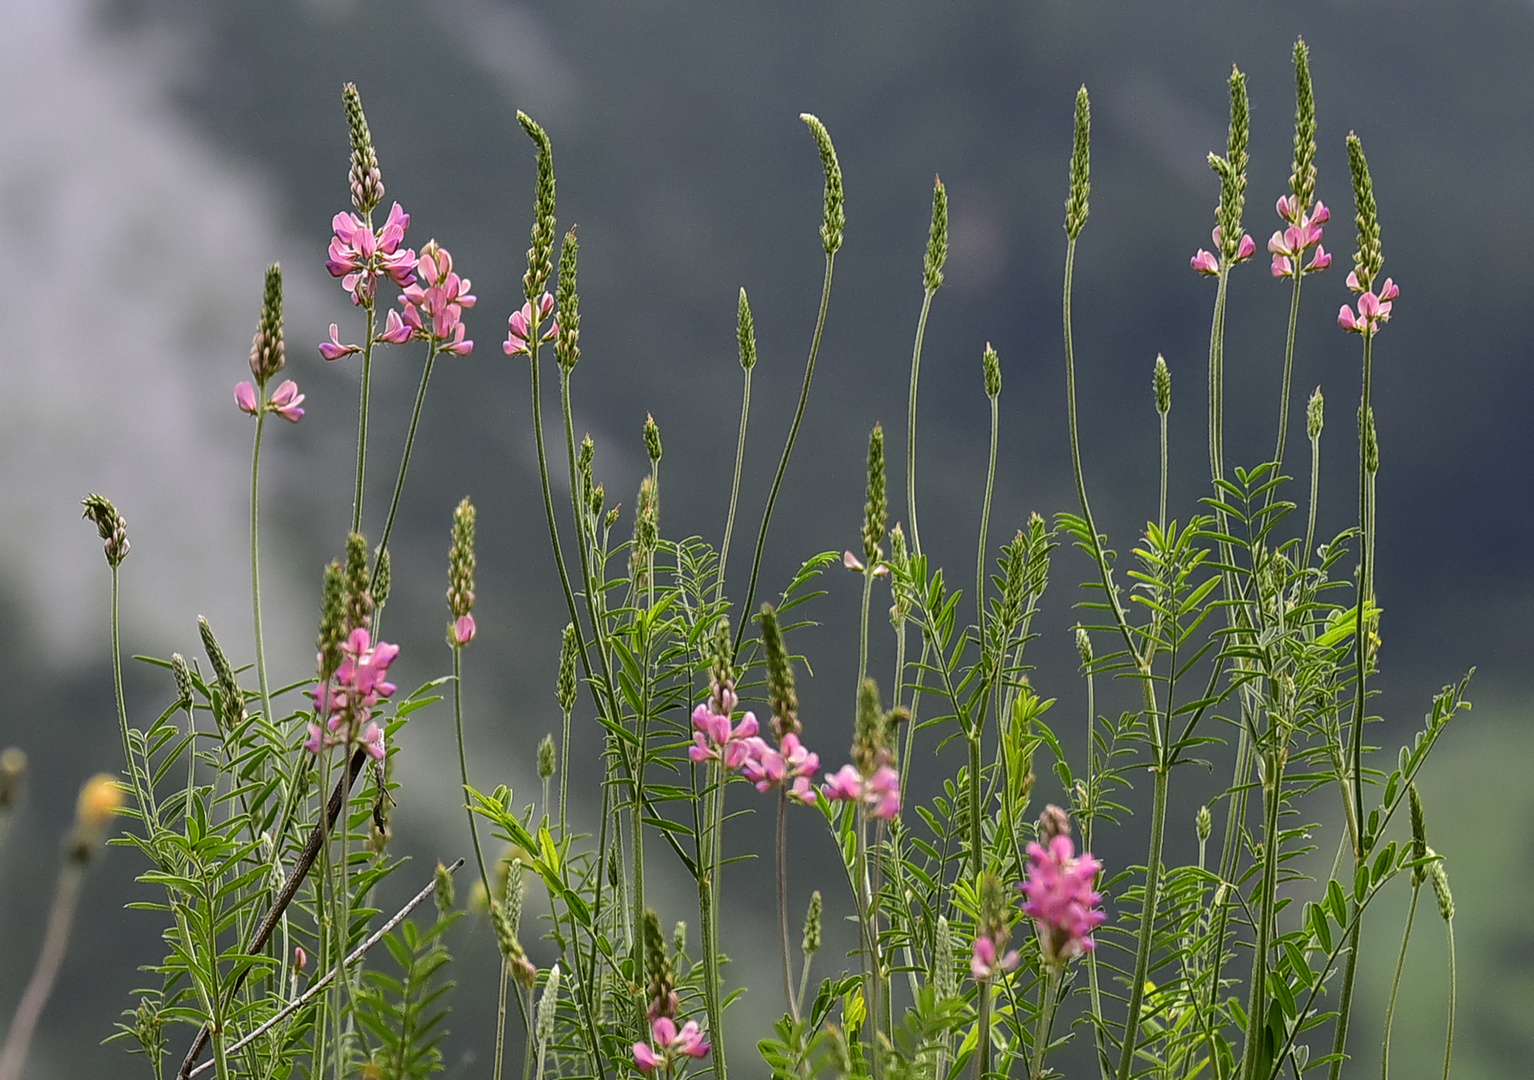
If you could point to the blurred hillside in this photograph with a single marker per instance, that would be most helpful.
(160, 152)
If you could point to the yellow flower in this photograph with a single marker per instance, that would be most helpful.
(100, 799)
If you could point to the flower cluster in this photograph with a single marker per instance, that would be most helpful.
(739, 746)
(359, 257)
(790, 765)
(523, 326)
(1060, 898)
(285, 401)
(986, 960)
(1373, 308)
(669, 1044)
(347, 698)
(715, 740)
(879, 793)
(435, 312)
(1303, 233)
(1207, 263)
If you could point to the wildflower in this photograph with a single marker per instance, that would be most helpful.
(852, 562)
(435, 312)
(100, 800)
(300, 958)
(879, 793)
(1373, 308)
(714, 739)
(463, 629)
(373, 741)
(334, 350)
(669, 1044)
(1204, 262)
(985, 961)
(245, 398)
(359, 257)
(522, 326)
(395, 331)
(346, 698)
(1061, 900)
(1207, 263)
(790, 765)
(286, 400)
(1303, 233)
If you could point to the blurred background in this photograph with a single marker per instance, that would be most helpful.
(159, 153)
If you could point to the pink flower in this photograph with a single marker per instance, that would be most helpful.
(983, 961)
(1303, 233)
(395, 331)
(333, 349)
(669, 1044)
(285, 401)
(715, 740)
(879, 794)
(245, 398)
(852, 562)
(348, 697)
(359, 257)
(1320, 260)
(1204, 262)
(1246, 249)
(373, 741)
(434, 312)
(463, 629)
(300, 958)
(791, 765)
(1061, 900)
(1373, 309)
(522, 326)
(317, 741)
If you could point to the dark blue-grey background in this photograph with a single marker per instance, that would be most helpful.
(158, 154)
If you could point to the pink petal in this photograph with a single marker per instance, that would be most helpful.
(245, 398)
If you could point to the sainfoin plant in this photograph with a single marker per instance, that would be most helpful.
(990, 939)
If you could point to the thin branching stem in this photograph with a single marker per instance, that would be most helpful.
(255, 561)
(910, 444)
(740, 460)
(362, 416)
(1395, 983)
(404, 465)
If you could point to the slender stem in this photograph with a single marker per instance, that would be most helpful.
(564, 772)
(463, 768)
(985, 526)
(709, 890)
(788, 449)
(983, 1031)
(500, 1024)
(1345, 1002)
(1283, 403)
(1395, 983)
(782, 867)
(1087, 820)
(362, 420)
(40, 986)
(1046, 1021)
(404, 465)
(1147, 924)
(976, 848)
(122, 705)
(1360, 643)
(910, 442)
(255, 562)
(1256, 1001)
(1448, 1045)
(1315, 489)
(1161, 511)
(868, 589)
(740, 459)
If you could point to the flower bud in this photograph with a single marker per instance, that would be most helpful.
(110, 525)
(266, 348)
(1053, 822)
(1440, 879)
(1315, 415)
(679, 937)
(231, 712)
(366, 181)
(184, 685)
(444, 893)
(937, 238)
(300, 958)
(652, 438)
(1161, 381)
(383, 576)
(1204, 823)
(835, 217)
(1076, 205)
(564, 687)
(990, 363)
(811, 941)
(1084, 646)
(546, 756)
(875, 511)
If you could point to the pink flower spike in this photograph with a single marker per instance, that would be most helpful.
(1204, 263)
(463, 629)
(285, 401)
(333, 349)
(245, 398)
(1246, 249)
(1061, 900)
(1320, 260)
(395, 331)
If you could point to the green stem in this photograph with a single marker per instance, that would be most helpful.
(500, 1025)
(1087, 820)
(1448, 1046)
(1256, 1011)
(1161, 511)
(362, 420)
(1046, 1022)
(976, 850)
(1360, 643)
(1345, 1002)
(985, 527)
(1315, 489)
(740, 459)
(40, 986)
(910, 445)
(983, 1031)
(709, 889)
(463, 768)
(1147, 924)
(782, 868)
(144, 801)
(788, 449)
(404, 465)
(564, 772)
(1283, 404)
(1395, 983)
(255, 562)
(868, 589)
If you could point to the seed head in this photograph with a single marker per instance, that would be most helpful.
(745, 331)
(564, 688)
(937, 238)
(875, 511)
(366, 181)
(1076, 205)
(1161, 382)
(1315, 415)
(990, 363)
(567, 350)
(835, 217)
(652, 439)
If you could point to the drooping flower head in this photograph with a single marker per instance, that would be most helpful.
(359, 256)
(1060, 898)
(667, 1044)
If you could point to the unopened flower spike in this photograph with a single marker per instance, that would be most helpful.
(359, 596)
(871, 780)
(875, 510)
(810, 944)
(567, 350)
(111, 526)
(1419, 848)
(460, 575)
(1302, 180)
(564, 686)
(547, 758)
(444, 892)
(1161, 382)
(652, 439)
(232, 712)
(383, 576)
(540, 254)
(661, 984)
(646, 530)
(366, 181)
(1370, 440)
(835, 216)
(1076, 204)
(266, 348)
(1440, 879)
(184, 684)
(745, 331)
(990, 365)
(1315, 414)
(1369, 258)
(780, 677)
(332, 621)
(937, 238)
(992, 933)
